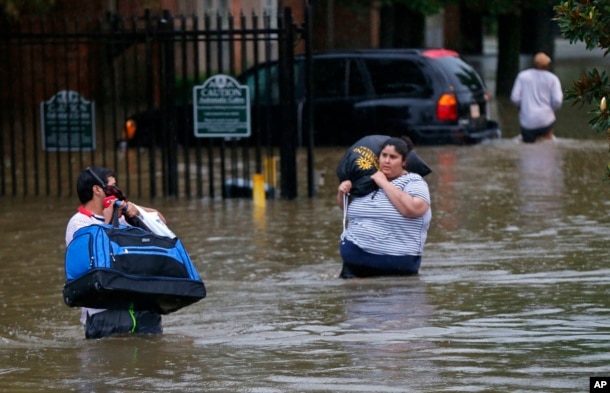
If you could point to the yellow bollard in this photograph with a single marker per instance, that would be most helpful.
(258, 189)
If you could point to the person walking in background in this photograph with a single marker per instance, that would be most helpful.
(93, 186)
(388, 227)
(538, 95)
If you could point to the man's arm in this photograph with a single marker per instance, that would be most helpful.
(515, 94)
(557, 95)
(132, 211)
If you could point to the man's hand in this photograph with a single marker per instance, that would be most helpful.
(129, 209)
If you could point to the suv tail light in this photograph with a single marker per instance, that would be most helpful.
(446, 107)
(130, 129)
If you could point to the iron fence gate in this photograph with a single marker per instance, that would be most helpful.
(69, 87)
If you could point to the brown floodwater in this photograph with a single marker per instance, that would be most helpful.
(512, 295)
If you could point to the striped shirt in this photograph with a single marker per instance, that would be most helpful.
(377, 227)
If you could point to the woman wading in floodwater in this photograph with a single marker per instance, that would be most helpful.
(388, 227)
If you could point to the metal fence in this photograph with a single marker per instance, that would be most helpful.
(68, 87)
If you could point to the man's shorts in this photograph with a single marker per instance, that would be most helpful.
(530, 135)
(111, 322)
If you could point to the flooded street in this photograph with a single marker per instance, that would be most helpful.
(512, 295)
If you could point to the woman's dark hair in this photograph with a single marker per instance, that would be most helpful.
(91, 177)
(403, 145)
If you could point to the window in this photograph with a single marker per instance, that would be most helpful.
(267, 90)
(356, 80)
(329, 78)
(462, 75)
(397, 77)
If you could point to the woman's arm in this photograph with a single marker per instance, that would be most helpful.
(343, 189)
(409, 206)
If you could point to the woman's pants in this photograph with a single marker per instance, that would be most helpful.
(359, 263)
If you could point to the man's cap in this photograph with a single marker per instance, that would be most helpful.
(541, 60)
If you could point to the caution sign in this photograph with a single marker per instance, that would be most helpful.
(221, 108)
(68, 122)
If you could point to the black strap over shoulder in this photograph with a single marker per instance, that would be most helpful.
(115, 215)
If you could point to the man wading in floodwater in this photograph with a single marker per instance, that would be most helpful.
(537, 92)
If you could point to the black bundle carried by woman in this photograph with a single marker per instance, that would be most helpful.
(361, 161)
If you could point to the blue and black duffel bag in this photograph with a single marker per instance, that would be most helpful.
(119, 267)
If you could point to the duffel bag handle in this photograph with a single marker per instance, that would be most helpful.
(115, 213)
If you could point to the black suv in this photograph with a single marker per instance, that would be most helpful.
(431, 95)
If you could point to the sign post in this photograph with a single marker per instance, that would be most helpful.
(68, 122)
(221, 108)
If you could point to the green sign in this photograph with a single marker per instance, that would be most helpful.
(221, 108)
(68, 122)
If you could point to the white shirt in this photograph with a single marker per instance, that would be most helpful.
(538, 95)
(78, 221)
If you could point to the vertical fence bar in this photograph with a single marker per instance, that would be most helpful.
(5, 53)
(243, 46)
(171, 149)
(150, 102)
(208, 71)
(56, 88)
(78, 88)
(197, 81)
(308, 32)
(11, 115)
(136, 107)
(101, 52)
(219, 68)
(91, 71)
(184, 99)
(162, 132)
(33, 176)
(114, 43)
(120, 48)
(33, 114)
(67, 87)
(45, 88)
(256, 108)
(268, 87)
(231, 71)
(288, 139)
(21, 113)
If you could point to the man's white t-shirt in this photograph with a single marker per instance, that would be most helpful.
(77, 221)
(538, 95)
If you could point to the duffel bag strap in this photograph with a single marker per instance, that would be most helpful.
(115, 215)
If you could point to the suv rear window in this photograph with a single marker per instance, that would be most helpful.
(397, 77)
(267, 87)
(460, 74)
(337, 78)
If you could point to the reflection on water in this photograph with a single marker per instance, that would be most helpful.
(540, 178)
(386, 321)
(447, 160)
(512, 294)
